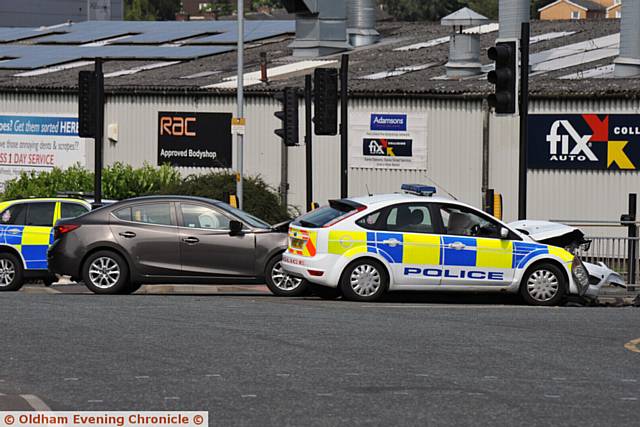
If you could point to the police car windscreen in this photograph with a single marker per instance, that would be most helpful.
(327, 214)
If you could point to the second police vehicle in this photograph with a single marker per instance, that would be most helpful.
(363, 247)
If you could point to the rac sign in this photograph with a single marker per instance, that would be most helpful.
(177, 126)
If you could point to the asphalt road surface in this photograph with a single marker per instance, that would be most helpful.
(253, 359)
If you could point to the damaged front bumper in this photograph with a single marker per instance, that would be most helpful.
(600, 276)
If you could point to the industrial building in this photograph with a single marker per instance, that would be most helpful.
(432, 75)
(35, 13)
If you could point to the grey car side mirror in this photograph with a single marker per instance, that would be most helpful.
(235, 227)
(504, 233)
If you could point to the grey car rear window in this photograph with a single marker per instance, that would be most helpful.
(123, 214)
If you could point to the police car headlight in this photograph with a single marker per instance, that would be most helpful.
(579, 273)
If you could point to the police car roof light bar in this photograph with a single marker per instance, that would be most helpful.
(418, 189)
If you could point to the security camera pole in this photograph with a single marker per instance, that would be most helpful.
(240, 91)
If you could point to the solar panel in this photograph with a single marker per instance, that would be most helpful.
(610, 41)
(481, 29)
(597, 72)
(398, 71)
(253, 30)
(550, 36)
(36, 56)
(15, 34)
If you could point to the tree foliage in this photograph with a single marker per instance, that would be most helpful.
(151, 10)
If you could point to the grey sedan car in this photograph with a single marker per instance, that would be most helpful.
(170, 240)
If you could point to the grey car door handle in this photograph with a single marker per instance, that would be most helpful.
(128, 234)
(191, 240)
(457, 246)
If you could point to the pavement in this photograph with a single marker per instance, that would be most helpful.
(252, 359)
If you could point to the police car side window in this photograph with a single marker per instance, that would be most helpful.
(72, 210)
(459, 221)
(41, 214)
(405, 218)
(370, 221)
(14, 215)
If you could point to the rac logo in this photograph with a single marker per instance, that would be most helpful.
(177, 126)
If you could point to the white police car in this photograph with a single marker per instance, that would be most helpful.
(363, 247)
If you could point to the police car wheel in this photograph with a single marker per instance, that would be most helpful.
(544, 284)
(364, 280)
(280, 283)
(11, 273)
(105, 272)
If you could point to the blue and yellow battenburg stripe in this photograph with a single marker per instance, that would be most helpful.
(32, 242)
(428, 249)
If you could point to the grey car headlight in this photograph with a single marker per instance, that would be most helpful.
(580, 274)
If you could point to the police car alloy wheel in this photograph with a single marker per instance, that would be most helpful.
(106, 272)
(280, 283)
(10, 273)
(543, 284)
(364, 280)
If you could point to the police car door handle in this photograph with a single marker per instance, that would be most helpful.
(191, 240)
(391, 242)
(128, 234)
(14, 231)
(458, 246)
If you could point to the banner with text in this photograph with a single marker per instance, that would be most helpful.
(194, 139)
(388, 141)
(38, 143)
(584, 141)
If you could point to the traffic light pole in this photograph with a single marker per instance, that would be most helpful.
(524, 121)
(308, 95)
(344, 126)
(99, 136)
(240, 92)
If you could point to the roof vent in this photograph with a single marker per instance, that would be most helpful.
(464, 48)
(362, 23)
(321, 27)
(628, 63)
(512, 14)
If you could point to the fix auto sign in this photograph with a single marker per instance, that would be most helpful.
(584, 141)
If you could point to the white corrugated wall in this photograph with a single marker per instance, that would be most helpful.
(454, 150)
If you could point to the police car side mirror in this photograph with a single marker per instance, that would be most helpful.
(235, 227)
(504, 233)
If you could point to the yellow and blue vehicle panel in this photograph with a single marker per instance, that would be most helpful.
(429, 249)
(32, 242)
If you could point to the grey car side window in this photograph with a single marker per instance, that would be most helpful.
(198, 216)
(152, 213)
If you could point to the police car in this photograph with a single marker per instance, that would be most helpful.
(363, 247)
(26, 231)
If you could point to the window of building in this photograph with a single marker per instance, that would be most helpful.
(575, 14)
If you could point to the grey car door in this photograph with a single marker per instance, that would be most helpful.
(207, 248)
(149, 234)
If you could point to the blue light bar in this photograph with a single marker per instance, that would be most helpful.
(418, 189)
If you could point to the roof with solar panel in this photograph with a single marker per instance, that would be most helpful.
(567, 57)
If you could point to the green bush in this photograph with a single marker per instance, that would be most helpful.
(259, 199)
(121, 181)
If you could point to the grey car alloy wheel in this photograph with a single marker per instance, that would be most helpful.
(282, 280)
(7, 272)
(104, 272)
(542, 285)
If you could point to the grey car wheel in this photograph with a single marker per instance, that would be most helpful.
(11, 273)
(105, 272)
(280, 283)
(364, 280)
(543, 284)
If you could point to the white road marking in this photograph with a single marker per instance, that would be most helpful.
(629, 380)
(324, 394)
(71, 379)
(401, 392)
(559, 378)
(552, 396)
(352, 374)
(490, 377)
(422, 375)
(142, 377)
(212, 375)
(628, 398)
(473, 393)
(283, 375)
(35, 402)
(171, 398)
(248, 395)
(95, 401)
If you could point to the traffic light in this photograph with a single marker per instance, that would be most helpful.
(87, 120)
(326, 101)
(289, 116)
(505, 77)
